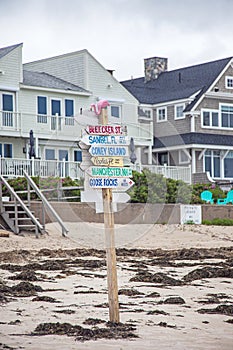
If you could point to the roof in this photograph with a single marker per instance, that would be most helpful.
(177, 84)
(193, 138)
(49, 81)
(5, 50)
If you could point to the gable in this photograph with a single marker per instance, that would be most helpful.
(11, 67)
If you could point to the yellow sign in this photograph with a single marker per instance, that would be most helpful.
(108, 161)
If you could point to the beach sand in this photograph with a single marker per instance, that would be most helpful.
(175, 288)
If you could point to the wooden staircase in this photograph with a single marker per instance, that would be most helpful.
(17, 214)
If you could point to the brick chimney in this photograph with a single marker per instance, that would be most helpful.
(153, 67)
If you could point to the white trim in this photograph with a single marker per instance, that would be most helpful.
(219, 94)
(175, 111)
(202, 154)
(67, 92)
(187, 154)
(213, 84)
(228, 77)
(8, 88)
(157, 114)
(193, 145)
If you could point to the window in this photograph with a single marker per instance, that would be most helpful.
(6, 150)
(161, 114)
(115, 111)
(147, 113)
(179, 111)
(212, 162)
(77, 156)
(210, 118)
(69, 108)
(227, 116)
(41, 109)
(228, 165)
(163, 158)
(229, 82)
(56, 107)
(50, 154)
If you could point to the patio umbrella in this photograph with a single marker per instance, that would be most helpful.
(133, 157)
(32, 152)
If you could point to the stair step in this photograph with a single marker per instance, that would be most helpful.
(24, 226)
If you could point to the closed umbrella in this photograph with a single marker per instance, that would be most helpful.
(32, 152)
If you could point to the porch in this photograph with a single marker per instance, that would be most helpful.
(12, 167)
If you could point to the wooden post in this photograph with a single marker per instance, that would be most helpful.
(110, 244)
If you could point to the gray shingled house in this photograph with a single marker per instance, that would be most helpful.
(192, 111)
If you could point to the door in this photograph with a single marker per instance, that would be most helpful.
(7, 107)
(63, 162)
(56, 114)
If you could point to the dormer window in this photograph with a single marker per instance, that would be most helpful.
(229, 82)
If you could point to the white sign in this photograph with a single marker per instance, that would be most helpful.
(108, 161)
(109, 151)
(119, 184)
(106, 129)
(190, 214)
(105, 140)
(109, 172)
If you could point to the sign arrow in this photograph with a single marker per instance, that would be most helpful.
(108, 161)
(106, 129)
(112, 151)
(109, 171)
(105, 140)
(118, 184)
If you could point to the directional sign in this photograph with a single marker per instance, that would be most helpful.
(106, 151)
(106, 129)
(105, 140)
(94, 195)
(119, 184)
(109, 172)
(108, 161)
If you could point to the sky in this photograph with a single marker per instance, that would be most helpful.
(120, 33)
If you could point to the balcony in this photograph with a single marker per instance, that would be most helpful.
(12, 167)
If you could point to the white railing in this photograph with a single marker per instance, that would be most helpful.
(11, 167)
(171, 172)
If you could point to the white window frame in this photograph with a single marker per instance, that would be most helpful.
(119, 106)
(220, 116)
(148, 113)
(182, 105)
(211, 119)
(157, 114)
(228, 79)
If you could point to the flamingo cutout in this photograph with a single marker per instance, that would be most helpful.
(99, 105)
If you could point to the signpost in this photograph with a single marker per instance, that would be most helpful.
(106, 146)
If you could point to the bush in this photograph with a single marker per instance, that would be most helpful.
(218, 222)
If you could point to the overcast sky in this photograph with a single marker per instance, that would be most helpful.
(120, 33)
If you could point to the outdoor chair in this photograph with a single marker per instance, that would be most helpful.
(228, 199)
(207, 196)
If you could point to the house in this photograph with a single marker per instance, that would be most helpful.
(45, 105)
(192, 111)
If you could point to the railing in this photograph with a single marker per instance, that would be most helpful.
(172, 172)
(61, 127)
(11, 167)
(45, 203)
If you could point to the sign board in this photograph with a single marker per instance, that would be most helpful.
(109, 151)
(190, 214)
(116, 183)
(109, 171)
(105, 140)
(108, 161)
(106, 129)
